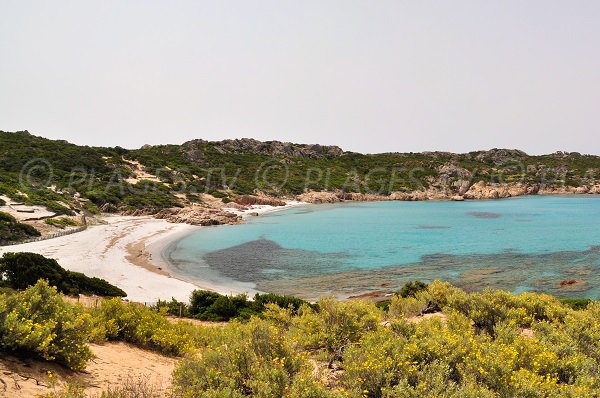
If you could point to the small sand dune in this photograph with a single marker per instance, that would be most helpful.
(115, 364)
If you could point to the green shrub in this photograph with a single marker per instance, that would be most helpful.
(12, 231)
(410, 289)
(173, 308)
(219, 194)
(142, 326)
(575, 303)
(76, 283)
(130, 388)
(406, 306)
(530, 345)
(39, 322)
(261, 300)
(336, 325)
(61, 223)
(211, 306)
(20, 270)
(252, 359)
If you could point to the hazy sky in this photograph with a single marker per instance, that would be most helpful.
(370, 76)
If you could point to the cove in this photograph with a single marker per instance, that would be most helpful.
(530, 243)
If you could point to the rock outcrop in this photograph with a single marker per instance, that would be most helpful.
(197, 215)
(483, 190)
(276, 149)
(319, 197)
(249, 200)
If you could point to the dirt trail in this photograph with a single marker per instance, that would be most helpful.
(115, 364)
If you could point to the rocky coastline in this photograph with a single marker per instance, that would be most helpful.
(216, 212)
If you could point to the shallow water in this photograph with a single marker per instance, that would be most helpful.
(520, 244)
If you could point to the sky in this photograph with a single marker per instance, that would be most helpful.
(369, 76)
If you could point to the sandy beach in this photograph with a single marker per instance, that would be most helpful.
(125, 251)
(108, 251)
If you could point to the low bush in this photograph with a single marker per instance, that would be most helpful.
(252, 359)
(20, 270)
(142, 326)
(410, 289)
(485, 344)
(12, 231)
(575, 303)
(37, 321)
(212, 306)
(61, 223)
(130, 388)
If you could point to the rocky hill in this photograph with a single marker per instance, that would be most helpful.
(193, 181)
(276, 149)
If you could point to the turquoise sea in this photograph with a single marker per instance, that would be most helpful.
(520, 244)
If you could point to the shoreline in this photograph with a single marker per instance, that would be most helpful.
(160, 252)
(104, 251)
(129, 252)
(126, 251)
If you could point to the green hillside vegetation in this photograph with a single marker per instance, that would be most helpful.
(488, 344)
(61, 222)
(21, 270)
(12, 231)
(30, 165)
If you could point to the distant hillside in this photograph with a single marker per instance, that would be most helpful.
(70, 179)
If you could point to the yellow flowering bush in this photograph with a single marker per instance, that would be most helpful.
(37, 320)
(248, 359)
(336, 324)
(139, 325)
(486, 344)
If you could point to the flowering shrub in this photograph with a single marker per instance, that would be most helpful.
(37, 320)
(250, 359)
(336, 325)
(488, 344)
(136, 324)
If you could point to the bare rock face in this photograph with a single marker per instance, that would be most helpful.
(500, 156)
(198, 216)
(483, 190)
(249, 200)
(595, 189)
(461, 186)
(319, 197)
(269, 148)
(361, 197)
(411, 196)
(452, 170)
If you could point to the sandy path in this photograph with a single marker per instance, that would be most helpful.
(115, 364)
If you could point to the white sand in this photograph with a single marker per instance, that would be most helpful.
(263, 209)
(101, 251)
(24, 212)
